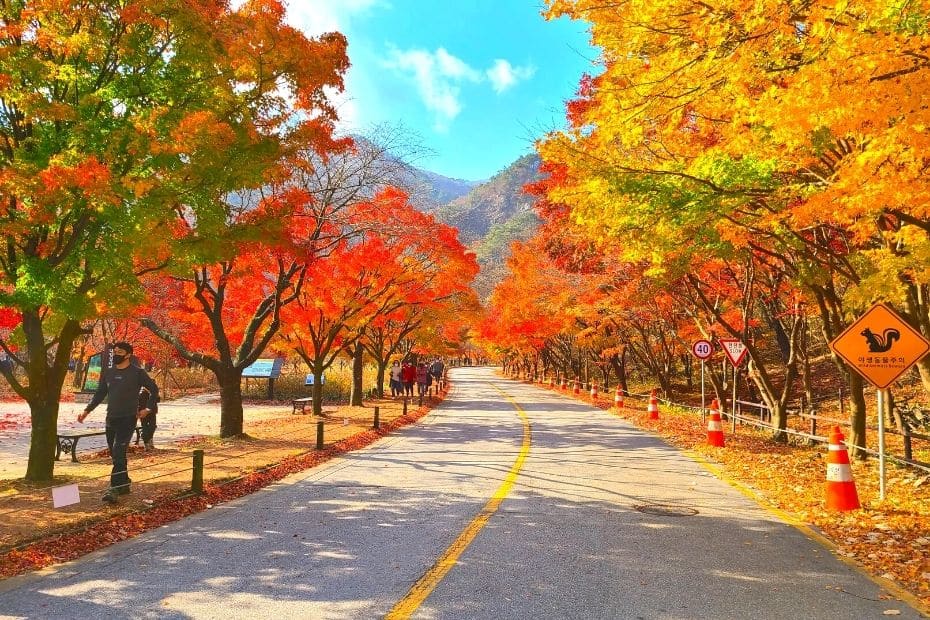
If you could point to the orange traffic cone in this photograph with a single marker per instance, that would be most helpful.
(618, 398)
(593, 391)
(564, 383)
(714, 426)
(653, 406)
(841, 490)
(577, 388)
(552, 382)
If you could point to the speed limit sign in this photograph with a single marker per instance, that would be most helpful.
(702, 349)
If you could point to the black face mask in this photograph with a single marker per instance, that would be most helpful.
(119, 359)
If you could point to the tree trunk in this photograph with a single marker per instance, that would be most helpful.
(857, 414)
(379, 378)
(317, 392)
(41, 464)
(358, 368)
(779, 421)
(619, 364)
(45, 380)
(77, 382)
(665, 384)
(231, 416)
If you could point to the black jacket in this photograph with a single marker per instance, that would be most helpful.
(123, 385)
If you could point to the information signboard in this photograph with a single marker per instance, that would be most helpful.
(92, 375)
(264, 369)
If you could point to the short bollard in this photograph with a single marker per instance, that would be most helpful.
(405, 406)
(319, 435)
(377, 418)
(197, 474)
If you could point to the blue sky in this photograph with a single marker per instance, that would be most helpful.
(475, 81)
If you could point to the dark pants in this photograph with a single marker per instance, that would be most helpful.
(119, 433)
(148, 427)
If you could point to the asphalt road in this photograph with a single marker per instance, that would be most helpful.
(350, 538)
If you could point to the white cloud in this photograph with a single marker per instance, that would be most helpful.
(437, 77)
(453, 67)
(503, 75)
(314, 17)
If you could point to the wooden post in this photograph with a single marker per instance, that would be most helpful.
(377, 418)
(197, 474)
(319, 435)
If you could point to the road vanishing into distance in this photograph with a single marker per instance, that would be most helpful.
(507, 501)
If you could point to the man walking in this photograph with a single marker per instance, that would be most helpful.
(122, 383)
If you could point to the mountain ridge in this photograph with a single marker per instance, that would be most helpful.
(492, 215)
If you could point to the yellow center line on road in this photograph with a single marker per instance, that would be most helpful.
(428, 582)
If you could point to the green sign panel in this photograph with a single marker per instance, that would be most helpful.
(94, 368)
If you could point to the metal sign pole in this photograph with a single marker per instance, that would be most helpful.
(734, 399)
(882, 403)
(703, 409)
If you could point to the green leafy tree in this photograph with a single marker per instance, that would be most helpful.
(118, 119)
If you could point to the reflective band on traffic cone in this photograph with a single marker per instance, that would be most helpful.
(841, 490)
(618, 398)
(653, 406)
(715, 426)
(564, 383)
(577, 388)
(593, 391)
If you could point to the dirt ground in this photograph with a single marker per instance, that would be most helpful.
(27, 513)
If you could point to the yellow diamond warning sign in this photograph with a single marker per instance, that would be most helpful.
(880, 346)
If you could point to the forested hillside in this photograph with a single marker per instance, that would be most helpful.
(434, 190)
(493, 215)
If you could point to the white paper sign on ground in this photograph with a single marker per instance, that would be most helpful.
(65, 495)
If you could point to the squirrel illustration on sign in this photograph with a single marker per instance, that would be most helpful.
(880, 344)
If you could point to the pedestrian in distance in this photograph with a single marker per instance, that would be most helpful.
(408, 374)
(396, 382)
(436, 371)
(148, 422)
(122, 383)
(422, 379)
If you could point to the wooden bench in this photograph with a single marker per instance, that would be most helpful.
(68, 441)
(301, 403)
